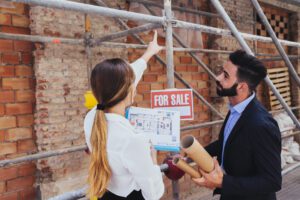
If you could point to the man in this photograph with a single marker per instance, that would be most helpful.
(249, 144)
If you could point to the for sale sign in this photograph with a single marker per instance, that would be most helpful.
(174, 99)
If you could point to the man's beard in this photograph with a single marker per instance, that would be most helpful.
(226, 92)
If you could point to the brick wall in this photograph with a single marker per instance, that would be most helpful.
(17, 104)
(60, 78)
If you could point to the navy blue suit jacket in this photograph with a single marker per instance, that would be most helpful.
(251, 156)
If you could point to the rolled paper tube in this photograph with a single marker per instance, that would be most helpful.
(181, 164)
(195, 151)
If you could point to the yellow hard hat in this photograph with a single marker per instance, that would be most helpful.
(90, 100)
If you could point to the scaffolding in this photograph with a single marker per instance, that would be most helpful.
(168, 22)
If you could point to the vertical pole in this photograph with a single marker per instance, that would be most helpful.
(245, 46)
(169, 44)
(170, 68)
(276, 42)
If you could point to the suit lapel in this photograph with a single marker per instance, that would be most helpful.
(240, 122)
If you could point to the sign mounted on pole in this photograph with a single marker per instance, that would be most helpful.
(174, 99)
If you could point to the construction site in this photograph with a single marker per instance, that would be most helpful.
(49, 47)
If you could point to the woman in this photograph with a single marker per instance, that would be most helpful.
(121, 166)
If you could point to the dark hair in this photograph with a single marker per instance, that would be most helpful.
(111, 81)
(250, 69)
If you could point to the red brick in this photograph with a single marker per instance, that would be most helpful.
(9, 196)
(18, 108)
(8, 148)
(18, 30)
(8, 173)
(7, 122)
(193, 68)
(150, 78)
(20, 183)
(25, 95)
(5, 19)
(16, 83)
(6, 45)
(27, 169)
(27, 194)
(185, 59)
(157, 86)
(19, 8)
(25, 120)
(10, 58)
(18, 134)
(24, 71)
(141, 88)
(7, 96)
(2, 110)
(196, 77)
(180, 68)
(2, 136)
(27, 58)
(2, 187)
(23, 46)
(20, 21)
(26, 146)
(6, 71)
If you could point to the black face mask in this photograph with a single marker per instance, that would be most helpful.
(226, 92)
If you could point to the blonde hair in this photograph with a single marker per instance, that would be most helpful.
(100, 171)
(111, 81)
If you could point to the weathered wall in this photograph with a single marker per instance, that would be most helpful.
(41, 101)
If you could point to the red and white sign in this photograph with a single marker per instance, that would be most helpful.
(174, 99)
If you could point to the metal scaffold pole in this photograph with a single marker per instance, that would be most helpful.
(245, 46)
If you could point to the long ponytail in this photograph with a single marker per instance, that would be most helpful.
(110, 81)
(99, 171)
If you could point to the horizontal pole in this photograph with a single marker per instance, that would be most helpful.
(43, 39)
(188, 10)
(91, 9)
(54, 40)
(42, 155)
(225, 32)
(135, 30)
(279, 58)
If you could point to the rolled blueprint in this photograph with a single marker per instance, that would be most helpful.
(181, 164)
(195, 151)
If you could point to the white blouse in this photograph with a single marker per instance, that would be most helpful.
(128, 153)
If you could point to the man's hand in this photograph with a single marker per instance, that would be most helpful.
(153, 48)
(213, 179)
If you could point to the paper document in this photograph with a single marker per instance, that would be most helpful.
(161, 127)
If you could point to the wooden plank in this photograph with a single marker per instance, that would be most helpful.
(280, 80)
(277, 69)
(278, 75)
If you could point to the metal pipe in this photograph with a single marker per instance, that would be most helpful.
(279, 58)
(170, 70)
(90, 9)
(279, 47)
(198, 12)
(44, 39)
(139, 29)
(169, 44)
(224, 32)
(245, 46)
(37, 156)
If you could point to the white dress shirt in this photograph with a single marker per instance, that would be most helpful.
(128, 153)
